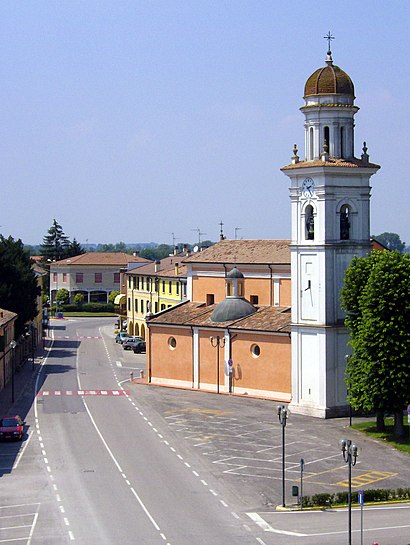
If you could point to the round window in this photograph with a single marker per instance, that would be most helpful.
(255, 350)
(172, 343)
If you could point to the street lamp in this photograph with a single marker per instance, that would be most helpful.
(217, 342)
(283, 415)
(349, 452)
(13, 345)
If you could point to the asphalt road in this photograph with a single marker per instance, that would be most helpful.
(107, 461)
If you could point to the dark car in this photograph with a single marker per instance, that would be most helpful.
(139, 347)
(128, 343)
(11, 427)
(121, 336)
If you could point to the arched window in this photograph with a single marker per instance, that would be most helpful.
(344, 222)
(310, 223)
(326, 136)
(311, 142)
(342, 147)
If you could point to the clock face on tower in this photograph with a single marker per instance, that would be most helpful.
(308, 187)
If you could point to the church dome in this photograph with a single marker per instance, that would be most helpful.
(232, 308)
(329, 80)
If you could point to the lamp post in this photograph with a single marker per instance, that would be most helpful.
(283, 415)
(348, 391)
(13, 345)
(349, 451)
(217, 342)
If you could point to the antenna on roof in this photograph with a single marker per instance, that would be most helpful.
(198, 230)
(174, 238)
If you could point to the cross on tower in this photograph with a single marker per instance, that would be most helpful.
(329, 38)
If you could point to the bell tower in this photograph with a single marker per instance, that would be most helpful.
(330, 204)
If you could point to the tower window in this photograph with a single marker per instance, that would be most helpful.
(342, 148)
(344, 223)
(254, 299)
(326, 136)
(311, 142)
(310, 223)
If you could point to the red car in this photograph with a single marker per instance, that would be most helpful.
(11, 427)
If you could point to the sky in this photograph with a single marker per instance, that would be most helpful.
(148, 120)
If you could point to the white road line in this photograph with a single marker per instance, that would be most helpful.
(268, 528)
(118, 364)
(32, 528)
(20, 454)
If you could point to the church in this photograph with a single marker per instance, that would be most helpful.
(263, 317)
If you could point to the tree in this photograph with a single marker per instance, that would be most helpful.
(376, 296)
(63, 296)
(55, 243)
(392, 241)
(79, 299)
(112, 295)
(18, 285)
(74, 248)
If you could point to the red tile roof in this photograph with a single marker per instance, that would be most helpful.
(118, 259)
(239, 252)
(165, 268)
(6, 316)
(274, 319)
(331, 162)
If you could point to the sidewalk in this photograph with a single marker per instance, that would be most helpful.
(24, 384)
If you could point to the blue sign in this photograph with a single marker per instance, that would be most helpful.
(230, 363)
(360, 497)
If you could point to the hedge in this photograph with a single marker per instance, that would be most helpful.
(86, 307)
(372, 495)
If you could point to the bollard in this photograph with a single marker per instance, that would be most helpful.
(141, 373)
(131, 376)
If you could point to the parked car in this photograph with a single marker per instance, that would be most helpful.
(121, 336)
(11, 427)
(128, 343)
(139, 347)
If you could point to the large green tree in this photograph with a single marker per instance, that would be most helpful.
(391, 241)
(376, 296)
(55, 243)
(74, 248)
(18, 283)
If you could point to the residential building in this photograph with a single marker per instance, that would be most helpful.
(94, 274)
(7, 320)
(153, 288)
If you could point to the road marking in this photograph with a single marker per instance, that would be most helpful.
(82, 393)
(118, 364)
(268, 528)
(367, 478)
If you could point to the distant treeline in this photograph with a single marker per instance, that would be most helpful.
(148, 250)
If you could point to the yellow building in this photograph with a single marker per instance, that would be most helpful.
(153, 288)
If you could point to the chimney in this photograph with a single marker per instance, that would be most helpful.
(176, 269)
(156, 265)
(175, 250)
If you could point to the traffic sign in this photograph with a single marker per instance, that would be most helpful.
(360, 497)
(230, 362)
